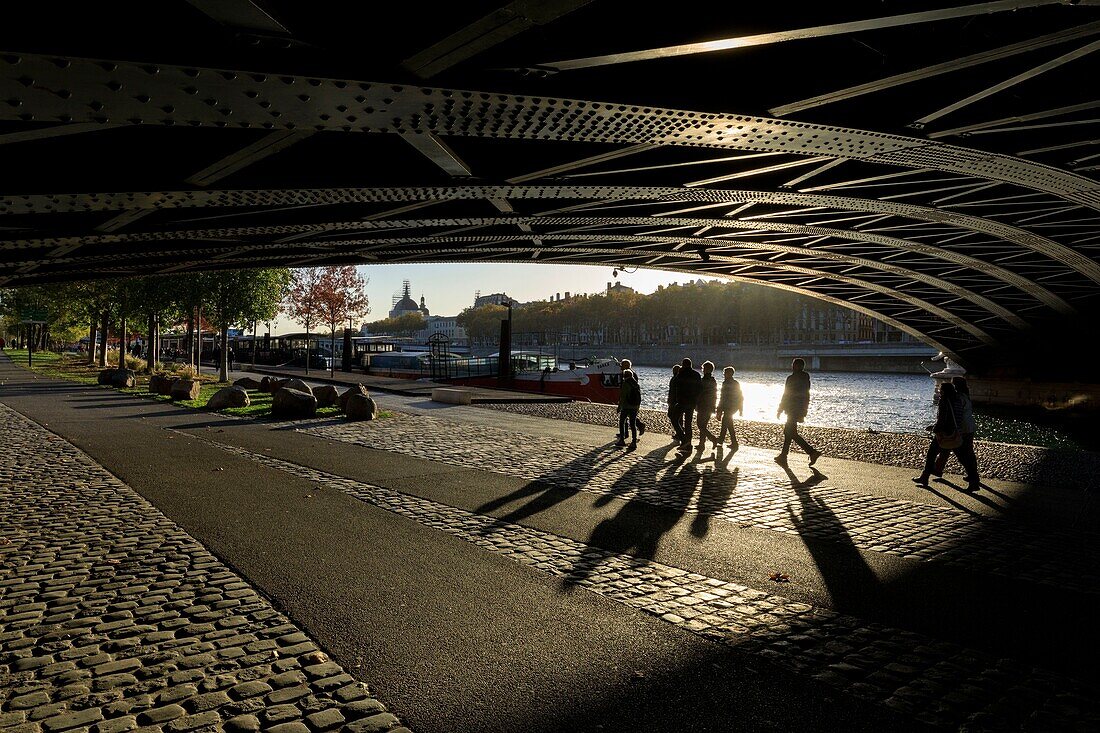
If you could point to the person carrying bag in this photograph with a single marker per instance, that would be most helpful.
(946, 434)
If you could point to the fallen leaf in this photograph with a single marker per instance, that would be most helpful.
(4, 541)
(316, 657)
(779, 577)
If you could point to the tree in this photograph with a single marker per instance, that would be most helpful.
(241, 296)
(405, 324)
(341, 297)
(303, 300)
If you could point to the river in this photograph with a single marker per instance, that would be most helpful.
(897, 403)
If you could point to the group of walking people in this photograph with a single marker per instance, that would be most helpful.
(693, 397)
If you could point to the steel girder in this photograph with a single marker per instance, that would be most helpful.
(965, 247)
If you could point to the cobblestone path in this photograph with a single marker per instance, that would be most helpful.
(758, 494)
(937, 682)
(1024, 463)
(114, 619)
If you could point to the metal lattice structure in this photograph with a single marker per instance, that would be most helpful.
(935, 167)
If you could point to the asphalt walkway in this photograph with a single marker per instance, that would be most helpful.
(485, 571)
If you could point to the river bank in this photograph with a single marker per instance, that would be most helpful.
(1028, 464)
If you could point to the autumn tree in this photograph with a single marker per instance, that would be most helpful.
(405, 324)
(302, 302)
(341, 297)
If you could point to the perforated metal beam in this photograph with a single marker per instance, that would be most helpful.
(59, 246)
(51, 89)
(59, 203)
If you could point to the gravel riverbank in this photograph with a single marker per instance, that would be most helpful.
(1024, 463)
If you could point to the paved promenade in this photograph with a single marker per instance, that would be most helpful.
(470, 569)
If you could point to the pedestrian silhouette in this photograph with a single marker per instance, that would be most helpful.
(795, 403)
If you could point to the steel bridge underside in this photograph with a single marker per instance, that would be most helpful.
(935, 169)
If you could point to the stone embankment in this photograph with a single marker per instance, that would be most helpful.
(1029, 464)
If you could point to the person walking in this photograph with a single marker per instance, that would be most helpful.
(630, 400)
(795, 403)
(731, 401)
(624, 365)
(965, 452)
(688, 383)
(674, 407)
(947, 432)
(708, 399)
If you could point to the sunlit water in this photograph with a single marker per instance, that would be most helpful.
(897, 403)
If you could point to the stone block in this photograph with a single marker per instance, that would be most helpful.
(297, 384)
(361, 407)
(293, 403)
(229, 397)
(243, 724)
(357, 389)
(185, 389)
(326, 395)
(247, 383)
(452, 396)
(126, 378)
(160, 384)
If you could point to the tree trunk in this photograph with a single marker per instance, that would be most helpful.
(150, 339)
(198, 330)
(332, 335)
(106, 332)
(307, 348)
(223, 360)
(92, 333)
(191, 337)
(123, 346)
(254, 325)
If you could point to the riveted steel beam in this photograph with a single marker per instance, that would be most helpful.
(52, 89)
(295, 232)
(59, 203)
(820, 31)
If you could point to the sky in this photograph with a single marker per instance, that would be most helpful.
(448, 289)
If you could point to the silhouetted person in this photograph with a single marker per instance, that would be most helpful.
(630, 399)
(796, 403)
(674, 407)
(688, 383)
(708, 399)
(731, 401)
(624, 365)
(946, 431)
(965, 452)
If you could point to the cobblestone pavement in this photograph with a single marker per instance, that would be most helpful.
(758, 494)
(1024, 463)
(114, 619)
(940, 683)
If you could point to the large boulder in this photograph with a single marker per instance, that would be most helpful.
(247, 383)
(160, 384)
(297, 384)
(105, 376)
(185, 389)
(358, 389)
(229, 397)
(360, 407)
(289, 402)
(124, 378)
(326, 395)
(272, 384)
